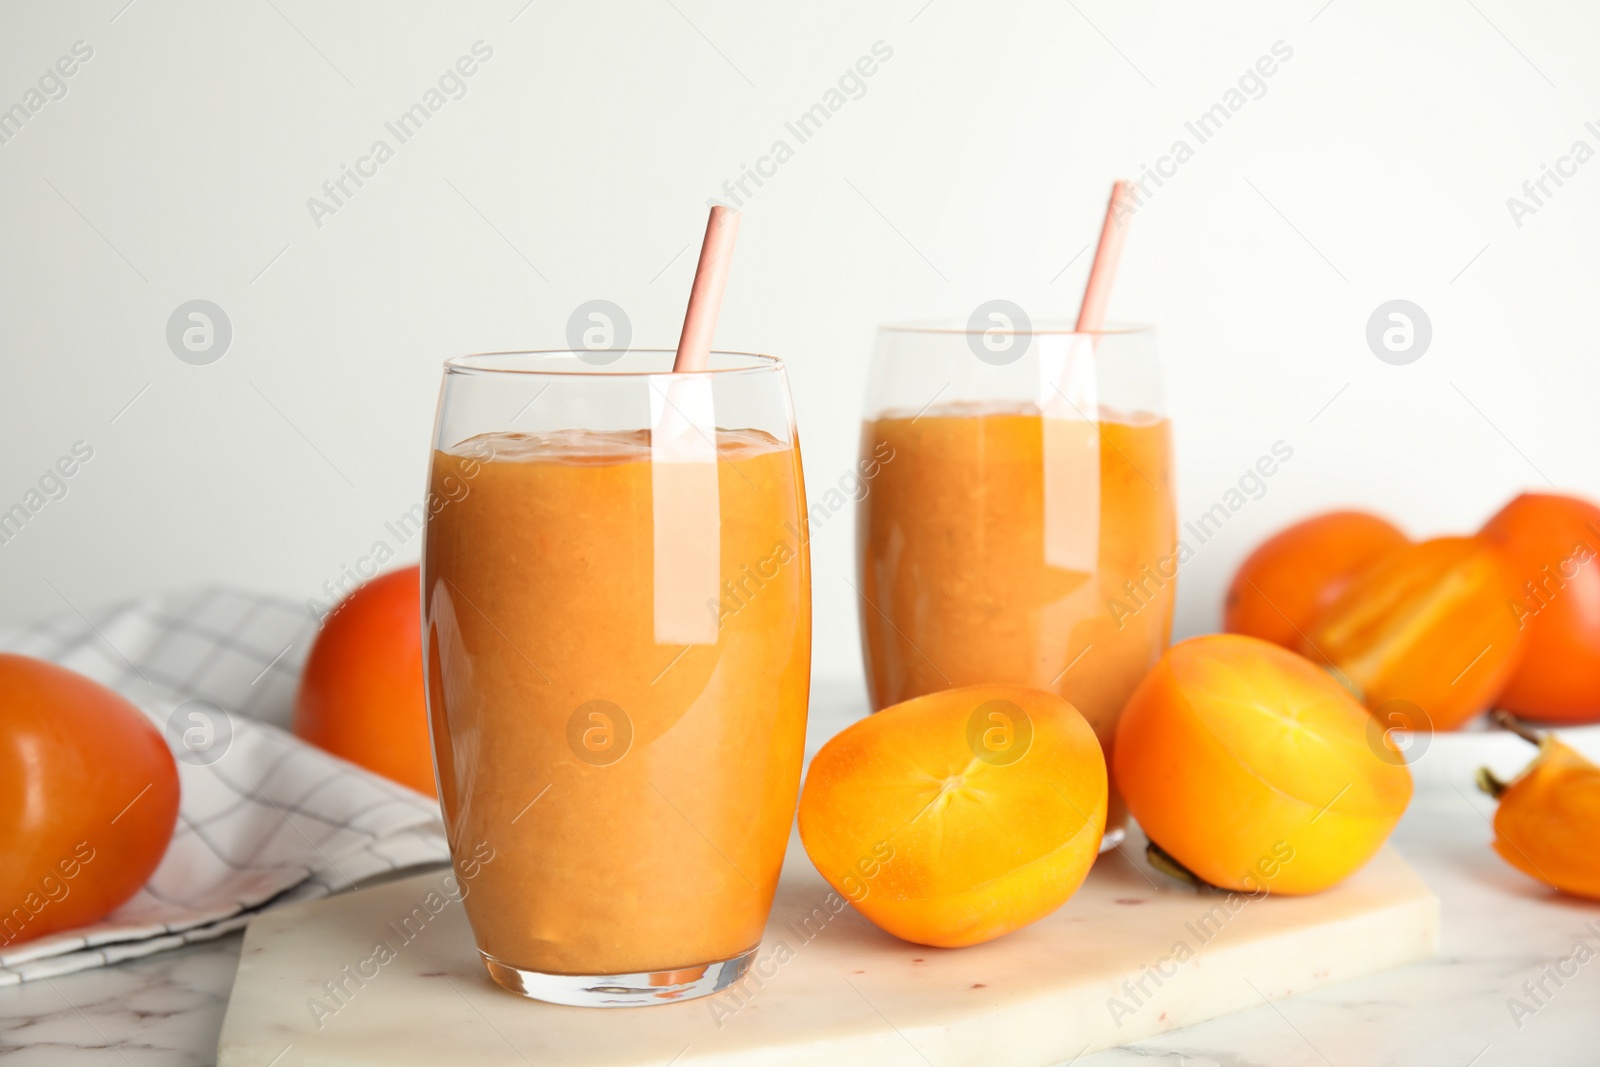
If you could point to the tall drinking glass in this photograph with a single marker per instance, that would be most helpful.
(1020, 527)
(617, 614)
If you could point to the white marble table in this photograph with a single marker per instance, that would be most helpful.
(1500, 931)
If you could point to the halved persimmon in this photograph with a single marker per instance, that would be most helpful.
(959, 816)
(1428, 624)
(1254, 769)
(1292, 577)
(1550, 543)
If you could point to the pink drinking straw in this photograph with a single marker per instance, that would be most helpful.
(1097, 294)
(684, 457)
(705, 299)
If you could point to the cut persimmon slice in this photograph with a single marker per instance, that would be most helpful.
(1428, 623)
(1548, 822)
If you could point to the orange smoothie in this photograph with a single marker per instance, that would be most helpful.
(955, 565)
(635, 796)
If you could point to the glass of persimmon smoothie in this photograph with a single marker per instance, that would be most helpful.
(617, 615)
(1019, 528)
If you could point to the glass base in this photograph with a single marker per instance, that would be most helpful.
(622, 990)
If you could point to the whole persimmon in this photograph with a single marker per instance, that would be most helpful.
(1549, 816)
(1254, 769)
(959, 816)
(361, 696)
(88, 799)
(1428, 624)
(1292, 577)
(1550, 543)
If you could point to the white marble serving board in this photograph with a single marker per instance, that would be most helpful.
(1101, 971)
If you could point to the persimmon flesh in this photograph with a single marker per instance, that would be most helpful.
(1254, 769)
(959, 816)
(1429, 624)
(1292, 577)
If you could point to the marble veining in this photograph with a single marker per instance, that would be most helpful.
(164, 1009)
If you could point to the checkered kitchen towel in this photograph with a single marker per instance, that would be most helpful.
(265, 818)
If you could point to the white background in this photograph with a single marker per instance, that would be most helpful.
(1377, 166)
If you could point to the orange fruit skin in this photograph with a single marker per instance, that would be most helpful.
(1292, 577)
(1558, 679)
(89, 792)
(1256, 770)
(1549, 821)
(940, 846)
(1429, 624)
(362, 695)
